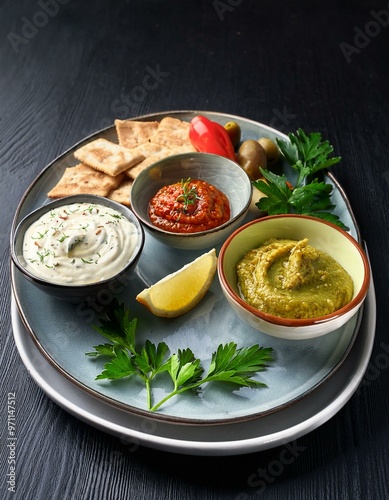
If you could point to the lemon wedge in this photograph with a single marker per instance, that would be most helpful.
(179, 292)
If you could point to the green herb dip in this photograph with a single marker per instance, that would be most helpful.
(291, 279)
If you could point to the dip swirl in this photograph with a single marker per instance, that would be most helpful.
(291, 279)
(79, 243)
(189, 206)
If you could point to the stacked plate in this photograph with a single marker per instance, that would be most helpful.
(307, 384)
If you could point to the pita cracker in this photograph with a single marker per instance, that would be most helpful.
(171, 132)
(107, 157)
(135, 171)
(164, 152)
(151, 149)
(121, 194)
(132, 133)
(186, 148)
(83, 179)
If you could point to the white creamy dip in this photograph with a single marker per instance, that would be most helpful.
(79, 243)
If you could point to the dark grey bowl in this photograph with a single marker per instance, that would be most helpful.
(77, 292)
(221, 172)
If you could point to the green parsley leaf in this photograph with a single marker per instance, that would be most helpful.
(102, 350)
(312, 197)
(228, 363)
(307, 154)
(184, 370)
(151, 358)
(277, 193)
(120, 367)
(118, 327)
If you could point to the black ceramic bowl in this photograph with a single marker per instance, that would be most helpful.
(69, 291)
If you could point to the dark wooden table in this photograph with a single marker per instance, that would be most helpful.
(69, 68)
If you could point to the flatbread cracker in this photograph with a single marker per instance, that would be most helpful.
(121, 194)
(83, 179)
(132, 133)
(186, 148)
(107, 157)
(150, 148)
(171, 132)
(133, 172)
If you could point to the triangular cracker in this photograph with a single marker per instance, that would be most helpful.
(82, 179)
(107, 157)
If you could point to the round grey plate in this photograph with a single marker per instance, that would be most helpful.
(63, 332)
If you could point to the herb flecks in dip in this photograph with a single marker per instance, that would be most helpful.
(79, 243)
(291, 279)
(189, 206)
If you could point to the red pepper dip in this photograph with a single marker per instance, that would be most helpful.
(189, 206)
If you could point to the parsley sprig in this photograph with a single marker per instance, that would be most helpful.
(228, 363)
(307, 154)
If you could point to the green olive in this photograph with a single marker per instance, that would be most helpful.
(233, 130)
(271, 150)
(251, 156)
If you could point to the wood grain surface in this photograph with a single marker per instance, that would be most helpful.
(69, 68)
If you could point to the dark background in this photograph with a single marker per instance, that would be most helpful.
(319, 65)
